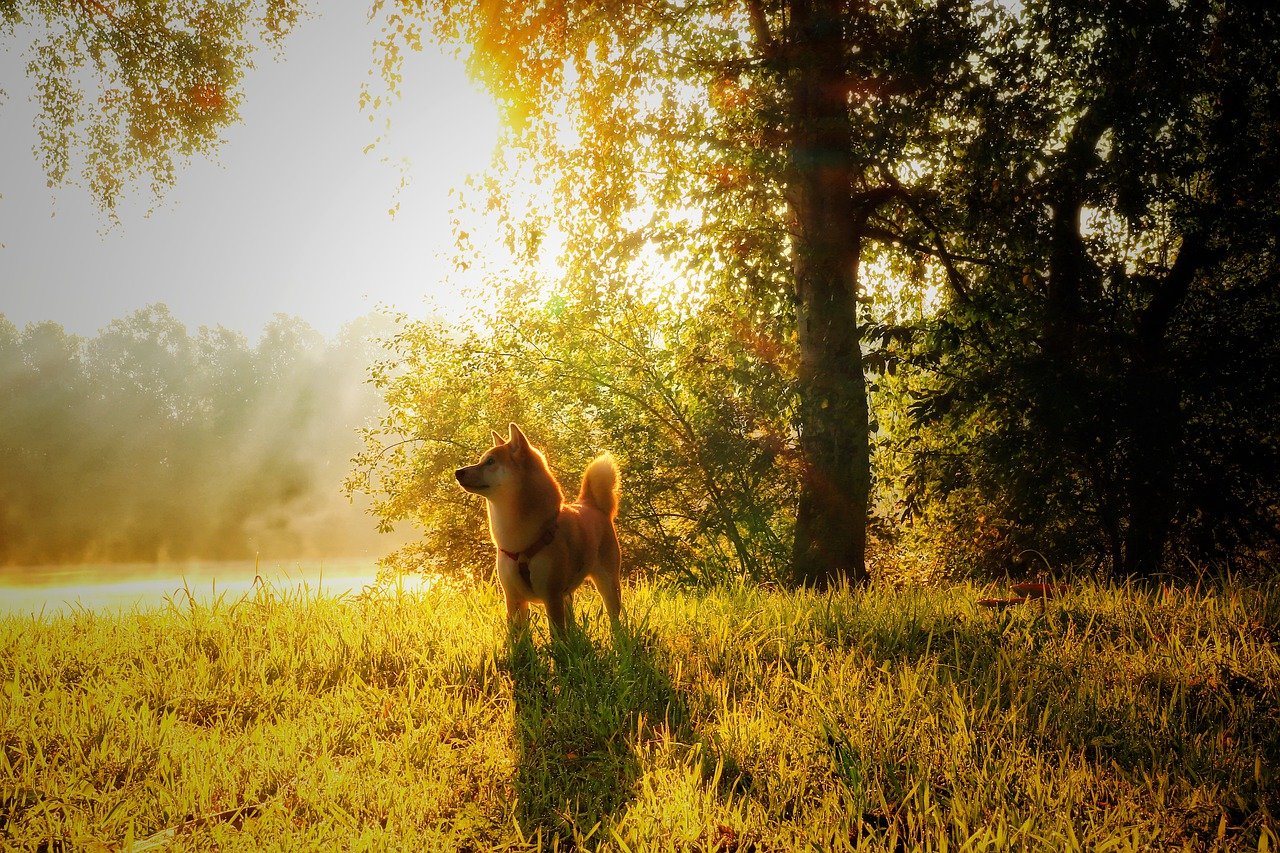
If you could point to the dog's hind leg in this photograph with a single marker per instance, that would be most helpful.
(611, 592)
(607, 577)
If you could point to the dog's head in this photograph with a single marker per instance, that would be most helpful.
(499, 466)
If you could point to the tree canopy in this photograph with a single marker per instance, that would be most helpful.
(1077, 190)
(129, 90)
(1122, 192)
(735, 152)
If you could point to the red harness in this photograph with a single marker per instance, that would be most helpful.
(522, 558)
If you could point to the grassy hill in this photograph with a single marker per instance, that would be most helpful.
(728, 720)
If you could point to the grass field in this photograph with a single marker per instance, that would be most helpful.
(730, 720)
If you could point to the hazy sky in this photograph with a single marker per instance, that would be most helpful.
(290, 216)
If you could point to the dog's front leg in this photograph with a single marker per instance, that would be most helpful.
(518, 614)
(517, 609)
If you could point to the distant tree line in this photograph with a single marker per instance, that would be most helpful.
(149, 441)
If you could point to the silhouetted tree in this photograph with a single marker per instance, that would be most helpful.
(1108, 390)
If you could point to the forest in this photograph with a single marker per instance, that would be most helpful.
(950, 286)
(151, 442)
(935, 288)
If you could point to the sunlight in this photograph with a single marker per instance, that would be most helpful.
(320, 209)
(441, 134)
(47, 591)
(903, 290)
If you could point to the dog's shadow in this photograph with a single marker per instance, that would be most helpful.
(582, 708)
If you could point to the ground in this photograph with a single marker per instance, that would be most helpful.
(737, 719)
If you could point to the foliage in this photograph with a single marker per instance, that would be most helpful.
(150, 442)
(129, 90)
(1118, 212)
(731, 718)
(698, 427)
(705, 202)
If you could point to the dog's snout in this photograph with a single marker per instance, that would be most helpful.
(458, 474)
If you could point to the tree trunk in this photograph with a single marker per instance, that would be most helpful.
(1155, 429)
(1156, 419)
(830, 540)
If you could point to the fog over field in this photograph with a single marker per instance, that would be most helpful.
(153, 441)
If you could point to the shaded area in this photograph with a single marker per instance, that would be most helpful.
(584, 711)
(939, 718)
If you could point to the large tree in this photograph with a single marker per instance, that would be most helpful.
(695, 133)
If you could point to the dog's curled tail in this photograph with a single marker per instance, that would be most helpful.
(600, 485)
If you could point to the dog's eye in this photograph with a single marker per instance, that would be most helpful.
(489, 461)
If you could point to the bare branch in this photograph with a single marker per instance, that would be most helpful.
(886, 235)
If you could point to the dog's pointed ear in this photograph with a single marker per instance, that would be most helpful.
(517, 437)
(498, 441)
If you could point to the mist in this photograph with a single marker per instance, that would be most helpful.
(153, 442)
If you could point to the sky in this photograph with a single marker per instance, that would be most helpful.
(290, 215)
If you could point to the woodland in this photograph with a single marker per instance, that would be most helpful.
(962, 287)
(877, 303)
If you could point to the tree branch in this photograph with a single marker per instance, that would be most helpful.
(395, 444)
(93, 8)
(1067, 254)
(887, 235)
(1193, 256)
(766, 44)
(893, 189)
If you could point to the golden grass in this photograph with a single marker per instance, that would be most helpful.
(741, 719)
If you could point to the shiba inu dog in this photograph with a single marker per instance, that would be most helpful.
(546, 547)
